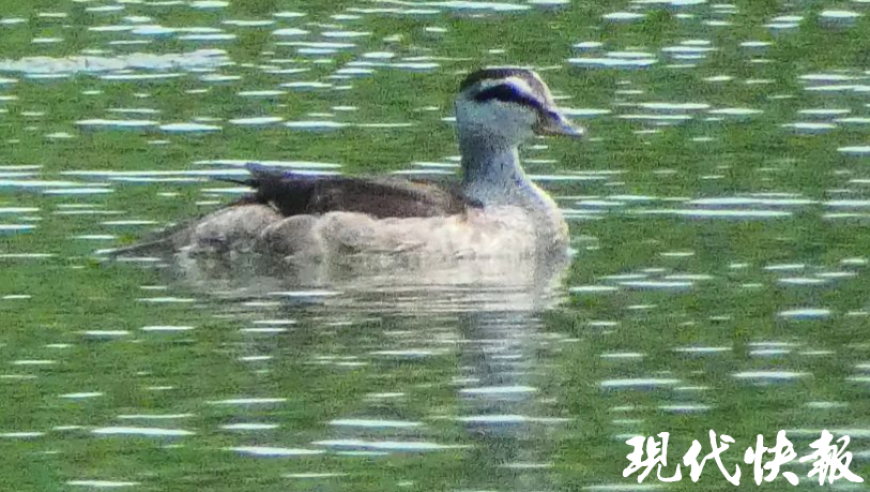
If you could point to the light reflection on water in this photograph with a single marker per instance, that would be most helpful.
(719, 251)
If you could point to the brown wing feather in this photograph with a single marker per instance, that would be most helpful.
(382, 198)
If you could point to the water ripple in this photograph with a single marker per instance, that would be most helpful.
(273, 452)
(142, 431)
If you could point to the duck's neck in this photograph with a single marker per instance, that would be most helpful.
(492, 175)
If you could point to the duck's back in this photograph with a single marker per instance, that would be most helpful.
(279, 195)
(294, 194)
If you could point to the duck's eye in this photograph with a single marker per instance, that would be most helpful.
(507, 93)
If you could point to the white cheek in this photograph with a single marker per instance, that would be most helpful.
(508, 120)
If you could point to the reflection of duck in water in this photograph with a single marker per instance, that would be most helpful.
(495, 212)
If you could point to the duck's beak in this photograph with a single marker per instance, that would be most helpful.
(555, 123)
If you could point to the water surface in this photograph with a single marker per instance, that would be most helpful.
(718, 211)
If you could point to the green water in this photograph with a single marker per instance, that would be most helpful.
(718, 278)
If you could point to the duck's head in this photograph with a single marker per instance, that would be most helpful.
(510, 105)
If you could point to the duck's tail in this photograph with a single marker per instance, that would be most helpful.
(138, 249)
(159, 243)
(262, 176)
(244, 182)
(263, 180)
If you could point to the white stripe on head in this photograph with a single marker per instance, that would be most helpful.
(517, 83)
(534, 89)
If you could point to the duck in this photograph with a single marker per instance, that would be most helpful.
(493, 211)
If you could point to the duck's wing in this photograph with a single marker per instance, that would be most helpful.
(296, 194)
